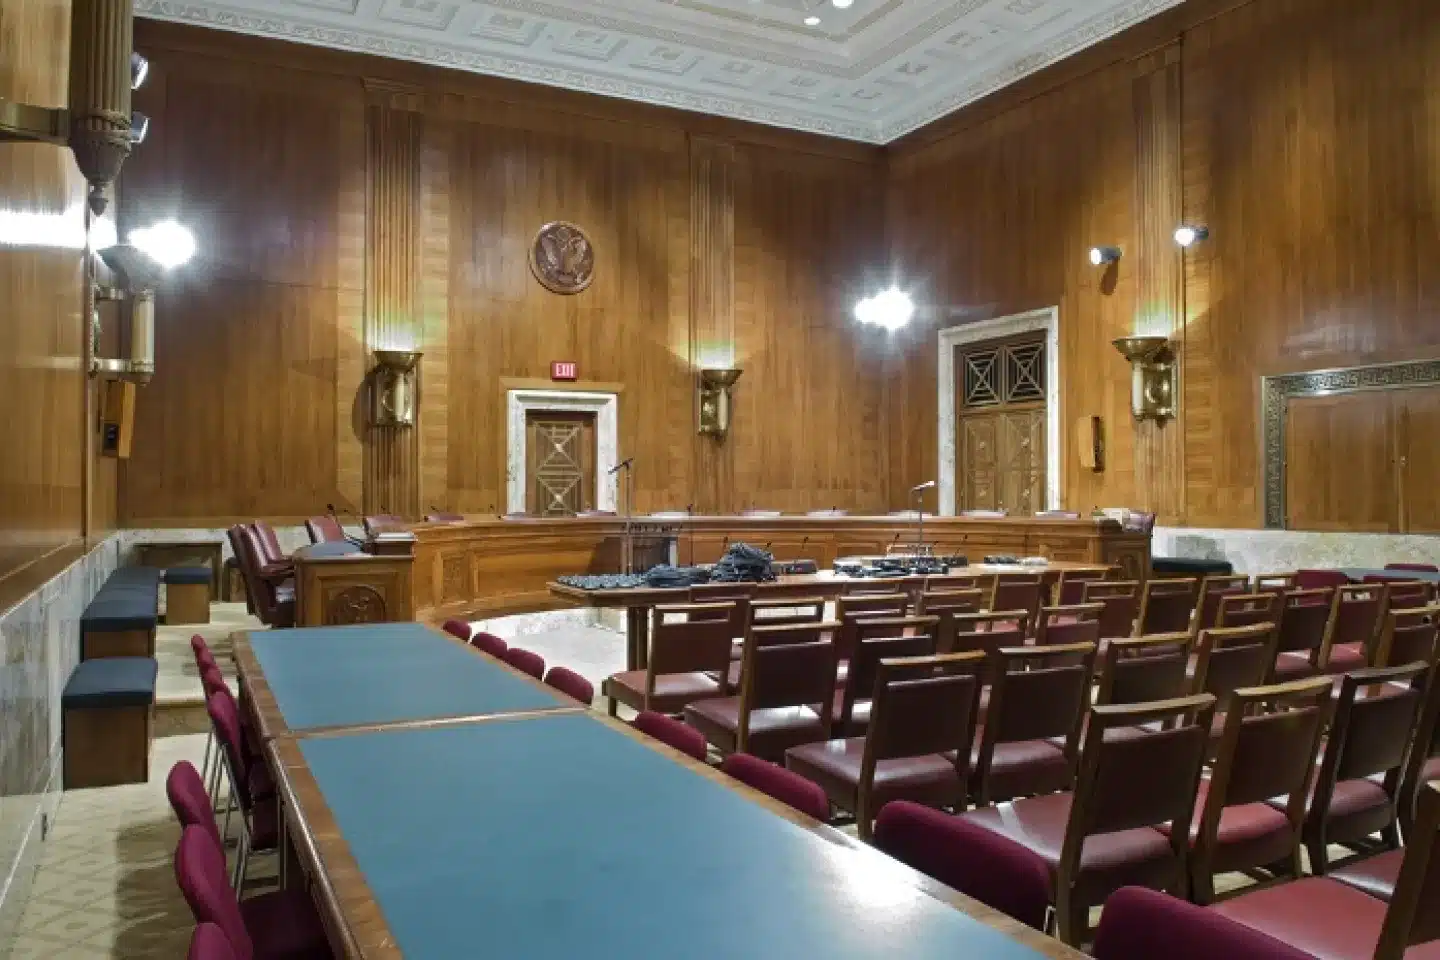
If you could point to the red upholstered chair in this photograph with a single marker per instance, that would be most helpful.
(1268, 746)
(381, 522)
(458, 629)
(209, 943)
(947, 605)
(672, 733)
(273, 926)
(1305, 617)
(1404, 594)
(1422, 763)
(1078, 623)
(526, 661)
(1408, 636)
(489, 643)
(689, 660)
(989, 631)
(1141, 924)
(1038, 697)
(1166, 605)
(269, 587)
(778, 783)
(1070, 588)
(1121, 599)
(787, 694)
(880, 637)
(981, 864)
(770, 611)
(1018, 591)
(571, 684)
(1358, 784)
(1143, 669)
(324, 529)
(1417, 567)
(1327, 918)
(1355, 623)
(204, 658)
(1107, 833)
(186, 793)
(851, 608)
(270, 552)
(1247, 609)
(1212, 588)
(1309, 579)
(251, 789)
(1229, 659)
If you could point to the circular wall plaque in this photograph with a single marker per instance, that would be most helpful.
(561, 258)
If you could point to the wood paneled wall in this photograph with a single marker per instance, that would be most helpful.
(1302, 132)
(50, 498)
(342, 203)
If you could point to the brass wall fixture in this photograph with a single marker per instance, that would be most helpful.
(98, 125)
(393, 388)
(139, 264)
(714, 408)
(1152, 370)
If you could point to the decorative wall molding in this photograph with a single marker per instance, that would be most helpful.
(1047, 319)
(605, 406)
(1275, 395)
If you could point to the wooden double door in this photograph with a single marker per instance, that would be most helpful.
(560, 463)
(1001, 425)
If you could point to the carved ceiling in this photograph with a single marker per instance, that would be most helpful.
(872, 71)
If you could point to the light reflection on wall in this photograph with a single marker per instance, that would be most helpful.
(61, 231)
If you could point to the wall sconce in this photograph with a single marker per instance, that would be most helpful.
(98, 125)
(1102, 256)
(714, 411)
(140, 264)
(393, 389)
(1187, 236)
(1152, 384)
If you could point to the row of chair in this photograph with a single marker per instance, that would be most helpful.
(269, 574)
(567, 681)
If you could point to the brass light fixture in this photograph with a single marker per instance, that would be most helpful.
(715, 384)
(140, 264)
(393, 388)
(1152, 370)
(98, 125)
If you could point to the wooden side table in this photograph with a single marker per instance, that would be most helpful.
(183, 553)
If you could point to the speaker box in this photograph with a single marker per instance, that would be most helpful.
(117, 418)
(1090, 443)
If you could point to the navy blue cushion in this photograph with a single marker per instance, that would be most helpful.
(1185, 565)
(137, 576)
(188, 575)
(111, 682)
(116, 610)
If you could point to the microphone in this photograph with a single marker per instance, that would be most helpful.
(330, 508)
(922, 486)
(621, 465)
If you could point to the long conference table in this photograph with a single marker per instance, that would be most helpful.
(444, 806)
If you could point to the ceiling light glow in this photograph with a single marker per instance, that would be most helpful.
(167, 243)
(890, 309)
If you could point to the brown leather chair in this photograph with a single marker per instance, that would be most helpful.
(1076, 623)
(1143, 669)
(918, 745)
(269, 588)
(1358, 786)
(1305, 619)
(1408, 636)
(1166, 606)
(324, 529)
(1229, 659)
(1033, 719)
(1212, 588)
(1122, 605)
(1268, 746)
(1327, 918)
(1246, 609)
(1070, 587)
(1355, 622)
(874, 639)
(689, 660)
(1107, 833)
(1018, 591)
(787, 694)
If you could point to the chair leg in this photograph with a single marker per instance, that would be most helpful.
(205, 764)
(1065, 917)
(1319, 860)
(242, 853)
(1202, 886)
(225, 829)
(1390, 836)
(612, 705)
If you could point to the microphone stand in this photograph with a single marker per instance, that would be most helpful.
(627, 541)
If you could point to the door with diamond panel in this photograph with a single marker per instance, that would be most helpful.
(560, 468)
(1001, 425)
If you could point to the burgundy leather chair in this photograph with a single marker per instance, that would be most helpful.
(1121, 600)
(571, 684)
(1018, 591)
(269, 588)
(1408, 636)
(270, 552)
(880, 637)
(1143, 669)
(458, 629)
(988, 631)
(1107, 833)
(1368, 741)
(918, 743)
(490, 644)
(1268, 746)
(1232, 658)
(380, 522)
(1029, 741)
(947, 605)
(1166, 605)
(977, 862)
(1141, 924)
(324, 529)
(1422, 763)
(1309, 579)
(1305, 617)
(1247, 609)
(672, 733)
(251, 787)
(689, 660)
(779, 784)
(1070, 588)
(786, 672)
(282, 925)
(1355, 625)
(1327, 918)
(1403, 594)
(209, 943)
(1417, 567)
(1212, 588)
(526, 661)
(852, 608)
(1078, 623)
(186, 793)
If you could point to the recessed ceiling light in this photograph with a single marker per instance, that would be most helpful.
(812, 21)
(842, 4)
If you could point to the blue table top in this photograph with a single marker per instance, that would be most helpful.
(386, 673)
(1360, 573)
(560, 837)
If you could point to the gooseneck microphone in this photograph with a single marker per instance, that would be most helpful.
(922, 486)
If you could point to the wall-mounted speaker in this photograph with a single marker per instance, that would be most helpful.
(1090, 443)
(117, 418)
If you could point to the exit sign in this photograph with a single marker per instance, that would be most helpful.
(563, 370)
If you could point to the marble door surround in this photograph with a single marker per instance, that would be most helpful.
(604, 403)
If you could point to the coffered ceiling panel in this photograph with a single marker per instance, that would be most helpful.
(871, 71)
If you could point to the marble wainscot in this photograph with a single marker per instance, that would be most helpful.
(1277, 551)
(40, 641)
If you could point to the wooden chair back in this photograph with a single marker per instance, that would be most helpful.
(1122, 605)
(945, 604)
(878, 587)
(690, 638)
(780, 668)
(1079, 623)
(1232, 658)
(1166, 605)
(1358, 615)
(1247, 609)
(1414, 912)
(1273, 581)
(1144, 669)
(1070, 588)
(988, 631)
(1407, 594)
(1212, 588)
(1424, 748)
(849, 609)
(984, 582)
(1408, 635)
(785, 612)
(1017, 591)
(883, 637)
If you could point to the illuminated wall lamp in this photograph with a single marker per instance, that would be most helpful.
(714, 408)
(393, 388)
(1152, 373)
(98, 125)
(1104, 256)
(139, 264)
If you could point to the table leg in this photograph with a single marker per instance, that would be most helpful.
(637, 638)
